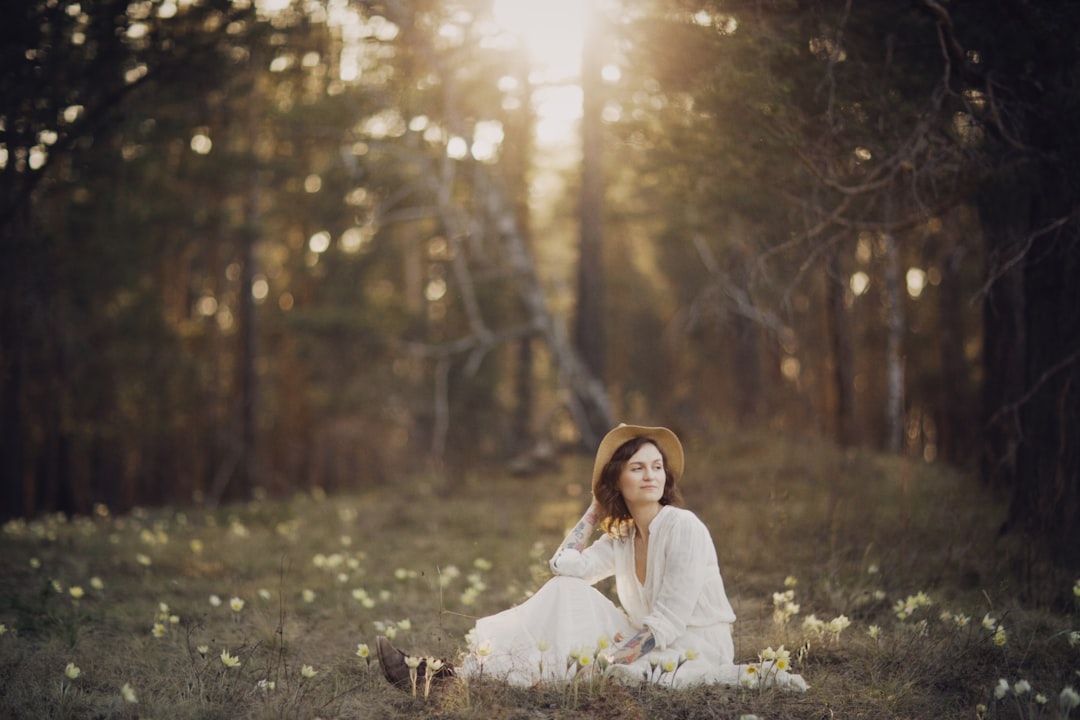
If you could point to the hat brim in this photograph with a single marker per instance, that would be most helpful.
(665, 439)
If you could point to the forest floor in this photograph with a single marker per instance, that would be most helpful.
(142, 615)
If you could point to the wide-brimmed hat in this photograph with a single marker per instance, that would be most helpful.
(665, 439)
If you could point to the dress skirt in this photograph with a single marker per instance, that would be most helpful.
(541, 639)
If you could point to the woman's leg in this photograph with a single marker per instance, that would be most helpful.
(532, 641)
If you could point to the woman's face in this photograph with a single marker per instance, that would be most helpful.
(643, 477)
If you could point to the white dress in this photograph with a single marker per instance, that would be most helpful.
(682, 602)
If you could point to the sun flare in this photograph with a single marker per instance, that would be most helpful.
(553, 33)
(552, 30)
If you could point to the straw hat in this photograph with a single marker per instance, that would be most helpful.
(665, 439)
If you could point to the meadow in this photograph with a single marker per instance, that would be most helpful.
(884, 581)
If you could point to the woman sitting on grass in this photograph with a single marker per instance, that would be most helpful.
(674, 627)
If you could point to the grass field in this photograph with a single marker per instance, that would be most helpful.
(886, 579)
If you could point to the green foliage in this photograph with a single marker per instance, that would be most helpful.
(886, 595)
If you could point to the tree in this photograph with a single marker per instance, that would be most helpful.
(1016, 69)
(589, 316)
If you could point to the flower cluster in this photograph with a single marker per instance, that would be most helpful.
(362, 596)
(771, 663)
(391, 628)
(476, 581)
(905, 608)
(959, 620)
(820, 628)
(448, 574)
(344, 567)
(781, 658)
(784, 606)
(229, 661)
(164, 621)
(997, 630)
(1022, 694)
(1068, 700)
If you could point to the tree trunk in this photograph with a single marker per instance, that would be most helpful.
(236, 476)
(747, 369)
(1043, 413)
(842, 348)
(894, 360)
(588, 328)
(1004, 206)
(1046, 500)
(955, 420)
(247, 355)
(518, 159)
(12, 365)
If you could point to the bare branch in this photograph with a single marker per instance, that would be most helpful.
(998, 121)
(1049, 373)
(1001, 270)
(836, 218)
(737, 299)
(954, 52)
(468, 344)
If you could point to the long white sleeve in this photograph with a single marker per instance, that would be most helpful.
(592, 564)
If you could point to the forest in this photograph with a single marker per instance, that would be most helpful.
(251, 247)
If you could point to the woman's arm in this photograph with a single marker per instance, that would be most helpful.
(577, 537)
(635, 647)
(592, 563)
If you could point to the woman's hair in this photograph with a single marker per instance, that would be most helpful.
(615, 518)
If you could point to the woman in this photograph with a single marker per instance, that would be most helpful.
(675, 624)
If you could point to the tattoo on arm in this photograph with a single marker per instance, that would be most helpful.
(641, 644)
(577, 537)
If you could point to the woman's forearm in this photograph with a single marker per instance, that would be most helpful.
(641, 644)
(577, 537)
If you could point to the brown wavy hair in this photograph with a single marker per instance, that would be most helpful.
(615, 518)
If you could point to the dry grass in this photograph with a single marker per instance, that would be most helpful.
(858, 532)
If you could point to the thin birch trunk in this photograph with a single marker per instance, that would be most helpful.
(894, 360)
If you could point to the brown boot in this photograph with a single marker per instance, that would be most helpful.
(393, 665)
(396, 671)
